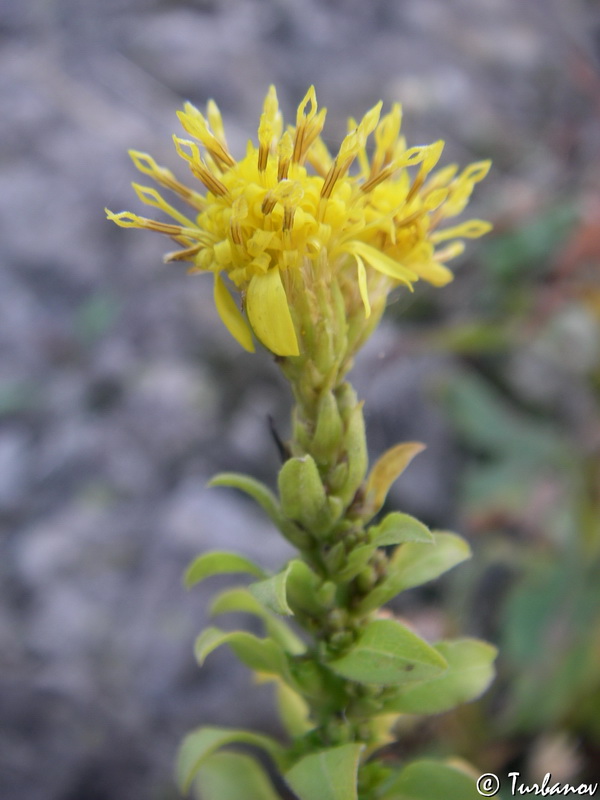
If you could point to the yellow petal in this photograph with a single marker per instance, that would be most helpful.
(269, 314)
(471, 229)
(434, 273)
(362, 285)
(381, 262)
(232, 316)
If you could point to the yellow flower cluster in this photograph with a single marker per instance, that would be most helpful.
(289, 210)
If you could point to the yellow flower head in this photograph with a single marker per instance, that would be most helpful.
(289, 215)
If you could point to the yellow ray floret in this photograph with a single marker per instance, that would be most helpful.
(265, 225)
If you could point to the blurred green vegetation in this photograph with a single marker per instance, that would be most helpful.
(522, 397)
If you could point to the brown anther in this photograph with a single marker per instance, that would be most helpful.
(299, 144)
(288, 217)
(236, 232)
(162, 227)
(212, 183)
(375, 180)
(221, 155)
(330, 180)
(183, 255)
(405, 221)
(268, 204)
(417, 183)
(283, 168)
(263, 157)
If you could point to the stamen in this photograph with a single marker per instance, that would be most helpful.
(269, 203)
(195, 124)
(285, 151)
(268, 128)
(308, 126)
(163, 176)
(198, 167)
(288, 217)
(151, 197)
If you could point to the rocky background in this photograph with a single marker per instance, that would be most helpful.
(121, 392)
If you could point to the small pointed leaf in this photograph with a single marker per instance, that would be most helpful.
(327, 775)
(388, 653)
(386, 470)
(219, 563)
(262, 655)
(198, 745)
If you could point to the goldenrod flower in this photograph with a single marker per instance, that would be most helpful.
(289, 215)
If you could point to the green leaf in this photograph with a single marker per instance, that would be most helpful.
(415, 563)
(432, 780)
(250, 486)
(302, 493)
(272, 592)
(240, 599)
(327, 775)
(388, 653)
(385, 471)
(219, 563)
(232, 776)
(470, 672)
(203, 742)
(397, 528)
(262, 655)
(265, 499)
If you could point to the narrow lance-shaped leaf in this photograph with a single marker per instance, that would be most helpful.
(327, 775)
(388, 653)
(219, 563)
(385, 471)
(262, 655)
(240, 599)
(203, 742)
(265, 499)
